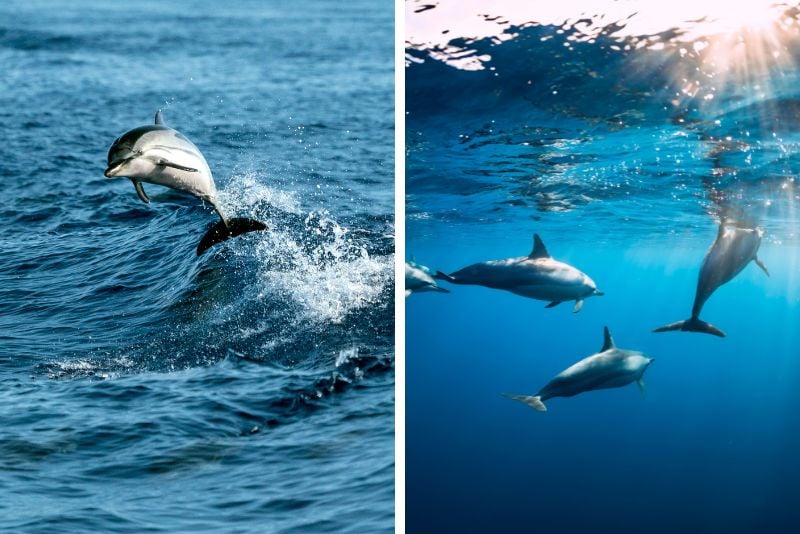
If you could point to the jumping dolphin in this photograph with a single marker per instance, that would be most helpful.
(610, 368)
(537, 276)
(733, 249)
(419, 278)
(157, 154)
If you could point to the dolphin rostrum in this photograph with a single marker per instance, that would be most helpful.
(733, 249)
(612, 367)
(537, 276)
(157, 154)
(419, 278)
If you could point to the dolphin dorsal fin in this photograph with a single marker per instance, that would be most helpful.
(608, 341)
(160, 118)
(539, 250)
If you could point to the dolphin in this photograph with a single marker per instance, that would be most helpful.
(419, 278)
(157, 154)
(733, 249)
(612, 367)
(537, 276)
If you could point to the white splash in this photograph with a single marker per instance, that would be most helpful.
(328, 280)
(345, 355)
(321, 269)
(245, 191)
(97, 369)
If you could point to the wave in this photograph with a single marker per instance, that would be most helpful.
(310, 297)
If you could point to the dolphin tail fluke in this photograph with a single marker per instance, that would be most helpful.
(442, 276)
(534, 401)
(692, 325)
(221, 232)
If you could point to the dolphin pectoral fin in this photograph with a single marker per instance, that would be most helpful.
(534, 401)
(221, 231)
(761, 264)
(165, 163)
(140, 191)
(554, 304)
(578, 306)
(640, 383)
(408, 293)
(691, 325)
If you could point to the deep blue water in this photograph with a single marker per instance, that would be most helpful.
(624, 176)
(143, 388)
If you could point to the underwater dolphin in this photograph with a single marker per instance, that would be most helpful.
(612, 367)
(419, 278)
(733, 249)
(537, 276)
(157, 154)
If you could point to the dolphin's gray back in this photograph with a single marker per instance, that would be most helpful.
(133, 138)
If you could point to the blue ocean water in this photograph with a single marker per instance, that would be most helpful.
(608, 146)
(145, 389)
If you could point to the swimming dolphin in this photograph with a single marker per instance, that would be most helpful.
(537, 276)
(419, 278)
(612, 367)
(733, 249)
(157, 154)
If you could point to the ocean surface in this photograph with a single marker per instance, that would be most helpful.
(142, 388)
(622, 145)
